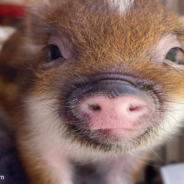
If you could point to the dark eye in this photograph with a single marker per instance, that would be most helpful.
(53, 52)
(176, 55)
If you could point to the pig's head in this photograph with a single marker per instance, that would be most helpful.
(110, 73)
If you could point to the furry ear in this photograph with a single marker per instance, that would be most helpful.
(38, 6)
(37, 30)
(37, 13)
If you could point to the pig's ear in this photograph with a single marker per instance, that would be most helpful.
(37, 31)
(36, 20)
(35, 6)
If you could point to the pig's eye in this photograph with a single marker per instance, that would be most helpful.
(53, 52)
(176, 55)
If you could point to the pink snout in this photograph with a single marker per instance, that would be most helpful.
(125, 112)
(114, 110)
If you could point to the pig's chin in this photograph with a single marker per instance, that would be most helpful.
(108, 137)
(113, 136)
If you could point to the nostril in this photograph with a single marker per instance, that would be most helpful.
(136, 108)
(95, 107)
(132, 108)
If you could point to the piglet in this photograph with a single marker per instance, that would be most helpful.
(95, 82)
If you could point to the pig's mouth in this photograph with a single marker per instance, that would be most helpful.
(113, 110)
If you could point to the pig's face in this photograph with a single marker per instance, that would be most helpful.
(112, 79)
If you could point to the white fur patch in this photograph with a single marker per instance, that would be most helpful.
(122, 5)
(47, 140)
(174, 119)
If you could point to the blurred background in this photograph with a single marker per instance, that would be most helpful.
(11, 14)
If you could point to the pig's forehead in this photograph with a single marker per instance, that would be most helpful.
(145, 22)
(92, 23)
(136, 14)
